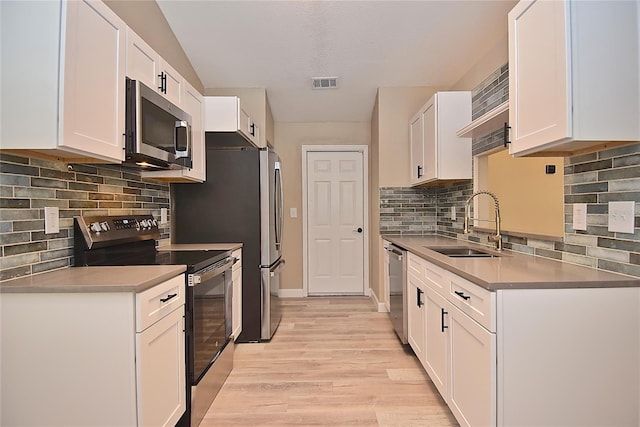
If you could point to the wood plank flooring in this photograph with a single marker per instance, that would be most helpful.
(332, 362)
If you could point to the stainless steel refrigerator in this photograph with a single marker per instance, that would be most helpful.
(241, 201)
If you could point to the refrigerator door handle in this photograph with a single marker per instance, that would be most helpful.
(279, 265)
(279, 208)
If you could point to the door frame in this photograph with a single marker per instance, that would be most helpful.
(364, 150)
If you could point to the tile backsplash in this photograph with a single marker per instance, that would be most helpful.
(28, 185)
(595, 179)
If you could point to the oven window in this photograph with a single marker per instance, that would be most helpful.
(209, 329)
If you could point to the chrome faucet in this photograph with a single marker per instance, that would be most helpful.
(496, 238)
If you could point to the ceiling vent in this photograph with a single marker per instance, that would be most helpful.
(324, 82)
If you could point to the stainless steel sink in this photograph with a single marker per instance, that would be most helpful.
(462, 252)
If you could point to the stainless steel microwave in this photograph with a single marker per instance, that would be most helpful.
(158, 133)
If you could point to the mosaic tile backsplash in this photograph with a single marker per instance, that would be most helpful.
(28, 185)
(594, 179)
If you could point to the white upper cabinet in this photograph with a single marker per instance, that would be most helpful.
(573, 75)
(145, 65)
(63, 67)
(436, 152)
(193, 104)
(227, 114)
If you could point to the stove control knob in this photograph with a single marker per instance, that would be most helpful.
(104, 226)
(95, 227)
(154, 222)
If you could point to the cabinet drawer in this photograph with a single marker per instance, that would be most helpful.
(155, 303)
(437, 278)
(415, 265)
(476, 302)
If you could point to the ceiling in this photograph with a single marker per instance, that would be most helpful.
(282, 45)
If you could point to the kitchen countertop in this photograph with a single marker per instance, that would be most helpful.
(93, 279)
(512, 270)
(200, 247)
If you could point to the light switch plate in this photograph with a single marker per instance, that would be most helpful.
(163, 215)
(51, 220)
(293, 212)
(453, 213)
(621, 217)
(579, 216)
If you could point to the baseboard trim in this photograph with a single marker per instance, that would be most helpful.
(291, 293)
(382, 308)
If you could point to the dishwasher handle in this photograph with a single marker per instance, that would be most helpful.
(396, 251)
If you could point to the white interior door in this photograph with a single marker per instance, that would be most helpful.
(335, 222)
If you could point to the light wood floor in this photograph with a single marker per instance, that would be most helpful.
(332, 362)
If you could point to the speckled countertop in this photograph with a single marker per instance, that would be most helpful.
(512, 270)
(93, 279)
(200, 247)
(108, 279)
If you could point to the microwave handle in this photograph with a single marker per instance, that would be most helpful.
(180, 125)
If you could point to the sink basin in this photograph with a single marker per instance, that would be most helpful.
(462, 252)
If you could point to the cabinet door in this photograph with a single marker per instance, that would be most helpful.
(93, 86)
(472, 357)
(194, 105)
(173, 86)
(435, 354)
(539, 99)
(430, 139)
(416, 149)
(415, 315)
(160, 371)
(244, 122)
(143, 63)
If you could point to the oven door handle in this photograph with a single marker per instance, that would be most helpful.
(196, 279)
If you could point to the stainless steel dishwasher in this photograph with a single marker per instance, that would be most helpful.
(397, 286)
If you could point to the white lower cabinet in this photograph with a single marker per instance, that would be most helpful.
(435, 360)
(472, 381)
(160, 372)
(527, 357)
(107, 358)
(415, 315)
(236, 309)
(459, 353)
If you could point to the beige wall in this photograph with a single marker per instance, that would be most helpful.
(147, 20)
(389, 160)
(288, 141)
(396, 107)
(496, 57)
(254, 101)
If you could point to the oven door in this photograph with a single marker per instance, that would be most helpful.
(209, 302)
(209, 344)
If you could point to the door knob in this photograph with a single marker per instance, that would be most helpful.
(359, 229)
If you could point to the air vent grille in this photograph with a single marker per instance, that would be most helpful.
(324, 82)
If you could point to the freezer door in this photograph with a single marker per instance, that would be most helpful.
(271, 312)
(271, 207)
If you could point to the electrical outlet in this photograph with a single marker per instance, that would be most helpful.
(621, 217)
(51, 220)
(163, 215)
(579, 216)
(453, 213)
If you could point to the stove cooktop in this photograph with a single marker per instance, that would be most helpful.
(194, 260)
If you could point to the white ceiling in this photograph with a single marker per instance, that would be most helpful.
(281, 45)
